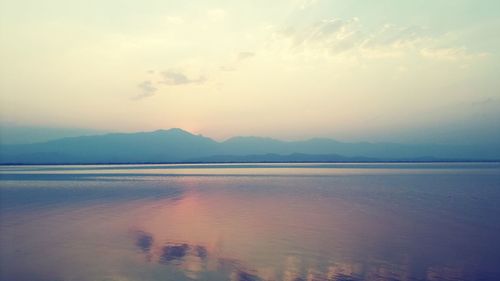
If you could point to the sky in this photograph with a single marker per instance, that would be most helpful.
(398, 71)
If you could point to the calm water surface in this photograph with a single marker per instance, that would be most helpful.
(247, 222)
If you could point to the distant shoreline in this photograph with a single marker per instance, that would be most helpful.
(257, 162)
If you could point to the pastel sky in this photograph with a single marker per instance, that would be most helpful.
(410, 71)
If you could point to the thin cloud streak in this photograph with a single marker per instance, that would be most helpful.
(174, 78)
(335, 37)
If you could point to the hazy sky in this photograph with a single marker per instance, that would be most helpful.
(352, 70)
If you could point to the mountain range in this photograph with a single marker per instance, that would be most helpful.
(176, 145)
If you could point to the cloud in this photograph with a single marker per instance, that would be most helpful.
(227, 68)
(335, 37)
(236, 61)
(332, 35)
(338, 36)
(173, 78)
(304, 4)
(245, 55)
(450, 54)
(169, 78)
(147, 89)
(484, 102)
(395, 36)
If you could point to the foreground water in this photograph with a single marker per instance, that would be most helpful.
(251, 222)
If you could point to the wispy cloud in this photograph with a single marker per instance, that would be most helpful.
(147, 89)
(325, 33)
(237, 60)
(173, 77)
(334, 37)
(304, 4)
(450, 54)
(245, 55)
(165, 78)
(391, 35)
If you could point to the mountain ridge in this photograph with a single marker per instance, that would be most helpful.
(177, 145)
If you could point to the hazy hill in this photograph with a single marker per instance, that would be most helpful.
(163, 145)
(176, 145)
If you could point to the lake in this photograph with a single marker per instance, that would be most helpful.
(247, 222)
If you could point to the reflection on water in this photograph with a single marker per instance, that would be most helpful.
(422, 224)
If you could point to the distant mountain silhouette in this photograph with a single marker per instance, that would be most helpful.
(279, 158)
(177, 145)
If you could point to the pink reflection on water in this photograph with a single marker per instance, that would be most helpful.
(245, 228)
(281, 236)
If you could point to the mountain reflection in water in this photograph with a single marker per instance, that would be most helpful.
(400, 225)
(192, 260)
